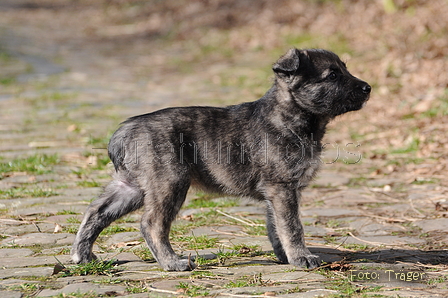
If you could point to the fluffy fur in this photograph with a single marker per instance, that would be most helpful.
(267, 150)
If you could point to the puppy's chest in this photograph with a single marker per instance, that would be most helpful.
(289, 159)
(311, 171)
(296, 150)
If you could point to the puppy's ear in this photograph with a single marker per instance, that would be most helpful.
(288, 64)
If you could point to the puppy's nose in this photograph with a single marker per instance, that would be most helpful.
(366, 88)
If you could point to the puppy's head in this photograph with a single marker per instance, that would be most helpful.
(319, 82)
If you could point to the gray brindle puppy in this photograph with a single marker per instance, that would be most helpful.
(267, 150)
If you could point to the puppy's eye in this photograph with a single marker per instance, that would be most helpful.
(332, 76)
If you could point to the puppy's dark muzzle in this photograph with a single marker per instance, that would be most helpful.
(359, 96)
(366, 88)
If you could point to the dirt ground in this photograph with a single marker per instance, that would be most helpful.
(72, 70)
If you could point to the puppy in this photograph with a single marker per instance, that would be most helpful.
(267, 150)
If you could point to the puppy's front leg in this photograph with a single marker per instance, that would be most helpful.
(283, 201)
(273, 234)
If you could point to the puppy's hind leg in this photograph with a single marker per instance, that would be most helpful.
(119, 198)
(161, 208)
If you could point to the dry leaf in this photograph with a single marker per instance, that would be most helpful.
(58, 268)
(124, 244)
(341, 266)
(57, 228)
(71, 128)
(387, 188)
(245, 250)
(189, 217)
(441, 206)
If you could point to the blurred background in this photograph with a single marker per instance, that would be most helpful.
(72, 70)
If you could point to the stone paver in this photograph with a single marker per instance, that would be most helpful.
(70, 105)
(10, 294)
(24, 271)
(85, 288)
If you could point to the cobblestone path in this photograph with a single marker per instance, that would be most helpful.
(59, 101)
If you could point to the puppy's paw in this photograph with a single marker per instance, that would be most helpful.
(180, 265)
(280, 253)
(307, 261)
(78, 258)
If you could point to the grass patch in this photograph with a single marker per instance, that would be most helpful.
(356, 247)
(22, 192)
(100, 142)
(333, 223)
(437, 280)
(192, 290)
(222, 256)
(422, 181)
(102, 161)
(73, 220)
(212, 217)
(200, 219)
(246, 281)
(336, 42)
(439, 109)
(114, 229)
(256, 79)
(343, 285)
(401, 161)
(96, 267)
(206, 200)
(56, 96)
(195, 242)
(294, 290)
(5, 57)
(126, 219)
(201, 274)
(245, 249)
(7, 81)
(136, 289)
(201, 203)
(51, 97)
(143, 253)
(330, 239)
(25, 288)
(64, 251)
(67, 212)
(357, 182)
(256, 230)
(37, 164)
(81, 172)
(377, 205)
(71, 229)
(412, 147)
(201, 261)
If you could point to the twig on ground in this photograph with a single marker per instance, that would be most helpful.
(162, 291)
(390, 219)
(34, 224)
(228, 233)
(415, 210)
(369, 242)
(246, 222)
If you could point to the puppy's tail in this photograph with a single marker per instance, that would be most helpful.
(116, 148)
